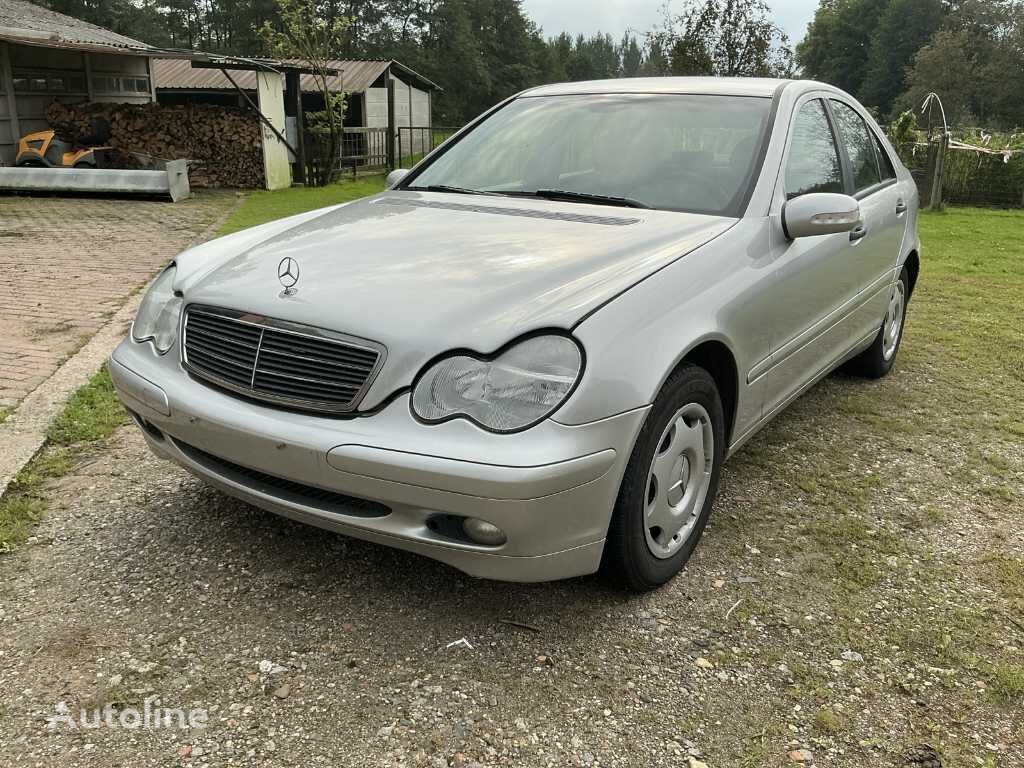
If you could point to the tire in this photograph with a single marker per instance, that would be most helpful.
(667, 479)
(878, 359)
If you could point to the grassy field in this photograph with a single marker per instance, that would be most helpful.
(260, 207)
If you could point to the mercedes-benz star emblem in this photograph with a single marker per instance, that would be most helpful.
(288, 274)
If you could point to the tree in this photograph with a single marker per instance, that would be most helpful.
(632, 56)
(904, 28)
(594, 58)
(309, 33)
(838, 41)
(723, 37)
(657, 62)
(967, 64)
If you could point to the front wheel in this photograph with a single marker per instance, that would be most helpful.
(878, 359)
(670, 483)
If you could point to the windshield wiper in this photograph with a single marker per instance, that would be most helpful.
(455, 190)
(586, 197)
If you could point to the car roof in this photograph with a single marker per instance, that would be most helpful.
(718, 86)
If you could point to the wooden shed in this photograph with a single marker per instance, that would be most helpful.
(385, 98)
(46, 55)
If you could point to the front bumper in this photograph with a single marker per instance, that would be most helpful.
(551, 489)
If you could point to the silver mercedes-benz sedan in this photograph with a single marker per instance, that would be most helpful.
(530, 356)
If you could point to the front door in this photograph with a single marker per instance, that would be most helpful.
(872, 180)
(816, 278)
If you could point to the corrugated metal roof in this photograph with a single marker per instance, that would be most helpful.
(354, 76)
(24, 22)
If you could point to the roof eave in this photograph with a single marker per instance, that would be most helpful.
(42, 40)
(413, 73)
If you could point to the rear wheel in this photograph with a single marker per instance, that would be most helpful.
(878, 359)
(670, 483)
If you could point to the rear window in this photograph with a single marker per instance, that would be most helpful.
(884, 163)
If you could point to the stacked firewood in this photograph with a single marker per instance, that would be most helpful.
(222, 144)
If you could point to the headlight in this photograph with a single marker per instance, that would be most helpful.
(157, 319)
(513, 391)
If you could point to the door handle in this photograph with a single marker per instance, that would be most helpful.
(901, 207)
(858, 232)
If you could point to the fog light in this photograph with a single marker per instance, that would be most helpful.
(483, 532)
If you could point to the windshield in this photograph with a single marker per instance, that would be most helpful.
(693, 153)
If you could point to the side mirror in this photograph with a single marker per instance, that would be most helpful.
(819, 213)
(394, 177)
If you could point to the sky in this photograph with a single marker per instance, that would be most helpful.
(616, 16)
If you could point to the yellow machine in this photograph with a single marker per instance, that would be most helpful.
(44, 149)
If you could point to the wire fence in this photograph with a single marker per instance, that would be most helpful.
(415, 142)
(976, 167)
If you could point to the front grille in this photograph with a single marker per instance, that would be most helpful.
(278, 487)
(280, 362)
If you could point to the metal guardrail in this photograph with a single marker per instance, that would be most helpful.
(172, 181)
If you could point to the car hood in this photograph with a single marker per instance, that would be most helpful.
(423, 273)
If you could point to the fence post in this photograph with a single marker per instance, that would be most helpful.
(391, 123)
(293, 98)
(935, 203)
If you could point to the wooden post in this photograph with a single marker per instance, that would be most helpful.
(412, 144)
(7, 75)
(91, 92)
(940, 166)
(391, 122)
(293, 99)
(149, 72)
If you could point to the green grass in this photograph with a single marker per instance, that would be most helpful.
(92, 413)
(24, 502)
(1007, 683)
(4, 413)
(973, 283)
(261, 207)
(828, 722)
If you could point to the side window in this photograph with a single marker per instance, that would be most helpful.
(860, 146)
(813, 164)
(884, 163)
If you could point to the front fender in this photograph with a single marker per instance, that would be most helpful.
(718, 292)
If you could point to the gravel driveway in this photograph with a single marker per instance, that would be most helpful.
(858, 600)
